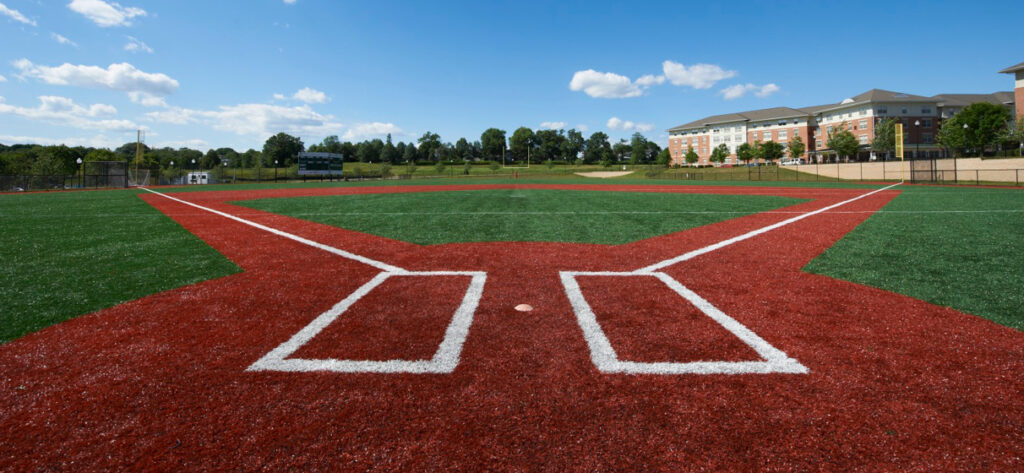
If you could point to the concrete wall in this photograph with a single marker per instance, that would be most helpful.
(965, 169)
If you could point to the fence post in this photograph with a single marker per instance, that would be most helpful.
(977, 177)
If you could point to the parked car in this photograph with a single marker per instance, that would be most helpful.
(790, 162)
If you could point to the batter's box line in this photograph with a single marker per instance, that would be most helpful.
(607, 360)
(444, 360)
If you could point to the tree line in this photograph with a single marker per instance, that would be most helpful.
(281, 150)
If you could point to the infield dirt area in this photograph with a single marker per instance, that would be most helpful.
(337, 350)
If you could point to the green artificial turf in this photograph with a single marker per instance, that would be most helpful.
(67, 254)
(520, 215)
(957, 247)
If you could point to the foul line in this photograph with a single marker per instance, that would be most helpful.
(707, 249)
(330, 249)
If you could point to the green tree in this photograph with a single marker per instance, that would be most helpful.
(745, 152)
(797, 148)
(389, 154)
(492, 142)
(952, 135)
(597, 148)
(720, 153)
(653, 150)
(885, 137)
(573, 145)
(843, 142)
(664, 157)
(620, 150)
(771, 150)
(549, 144)
(428, 146)
(463, 150)
(520, 145)
(283, 148)
(985, 123)
(101, 154)
(638, 149)
(691, 155)
(409, 155)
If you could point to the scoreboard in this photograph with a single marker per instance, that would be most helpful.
(320, 164)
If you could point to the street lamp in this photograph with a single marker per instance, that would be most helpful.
(275, 171)
(225, 169)
(194, 170)
(81, 173)
(917, 147)
(172, 165)
(965, 137)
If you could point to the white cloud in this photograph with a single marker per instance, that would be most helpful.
(739, 90)
(649, 80)
(121, 77)
(106, 14)
(98, 141)
(193, 143)
(3, 79)
(310, 96)
(146, 99)
(289, 2)
(614, 123)
(362, 131)
(698, 76)
(605, 85)
(582, 127)
(280, 97)
(15, 15)
(253, 119)
(62, 40)
(135, 45)
(553, 125)
(64, 111)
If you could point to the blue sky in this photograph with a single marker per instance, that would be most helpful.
(218, 73)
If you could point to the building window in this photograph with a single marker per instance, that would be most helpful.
(883, 110)
(926, 138)
(863, 139)
(926, 111)
(783, 134)
(817, 144)
(927, 123)
(903, 111)
(863, 112)
(829, 130)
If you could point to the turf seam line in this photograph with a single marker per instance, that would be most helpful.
(707, 249)
(330, 249)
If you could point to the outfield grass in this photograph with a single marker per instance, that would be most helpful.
(67, 254)
(958, 247)
(520, 215)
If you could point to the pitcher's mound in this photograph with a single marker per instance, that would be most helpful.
(604, 174)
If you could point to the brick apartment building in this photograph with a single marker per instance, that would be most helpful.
(921, 117)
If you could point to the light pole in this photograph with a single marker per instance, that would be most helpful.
(194, 176)
(222, 174)
(917, 146)
(275, 171)
(172, 168)
(81, 173)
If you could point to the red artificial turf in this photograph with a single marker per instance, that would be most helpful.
(160, 383)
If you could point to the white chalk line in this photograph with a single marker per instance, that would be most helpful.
(330, 249)
(606, 359)
(444, 360)
(753, 233)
